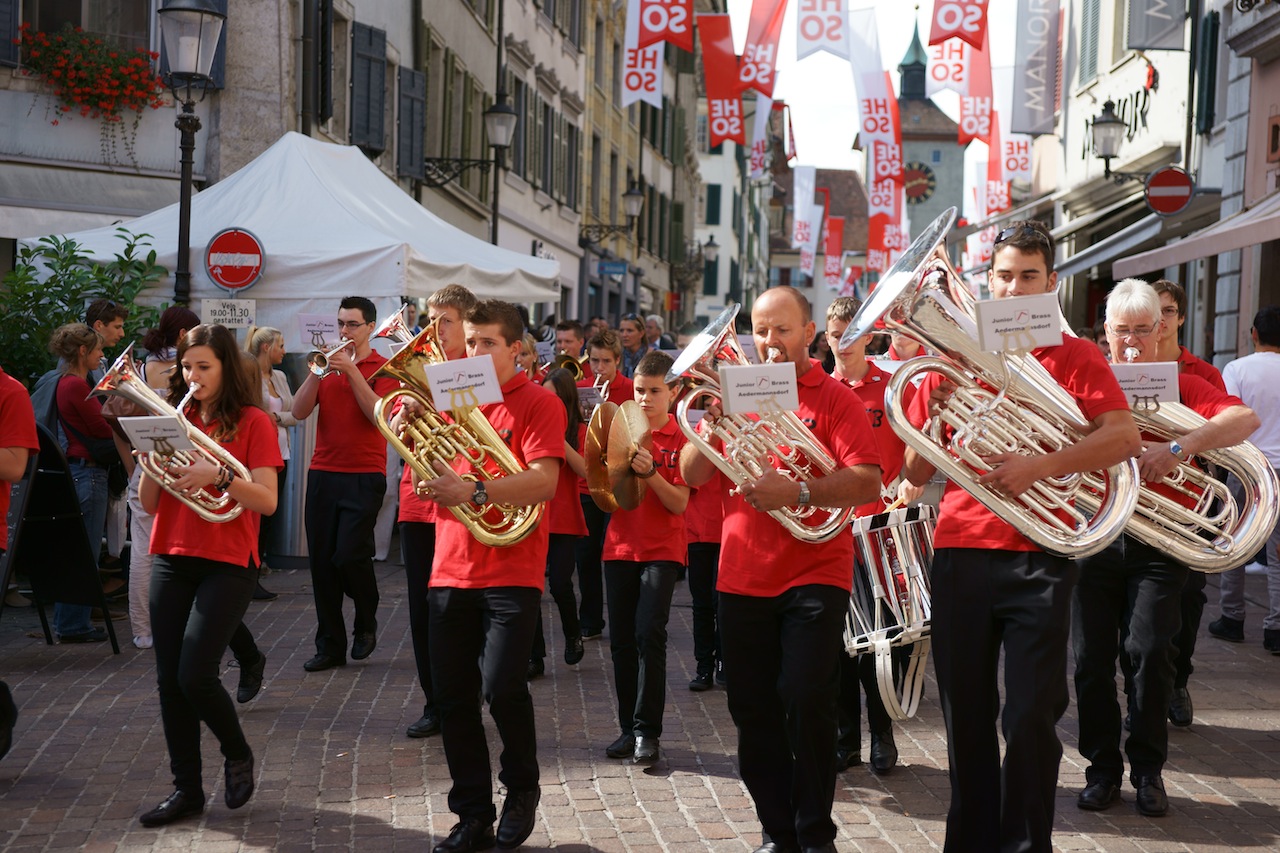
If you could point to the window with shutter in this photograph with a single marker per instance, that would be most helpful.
(597, 174)
(664, 228)
(711, 277)
(519, 150)
(368, 87)
(1207, 72)
(411, 127)
(1089, 21)
(324, 61)
(8, 32)
(713, 204)
(735, 282)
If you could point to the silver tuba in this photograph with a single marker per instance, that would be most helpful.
(1003, 404)
(751, 445)
(123, 380)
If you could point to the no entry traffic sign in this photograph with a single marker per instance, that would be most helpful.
(1169, 191)
(233, 259)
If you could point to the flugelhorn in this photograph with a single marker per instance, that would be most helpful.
(752, 445)
(426, 438)
(124, 380)
(318, 359)
(1004, 403)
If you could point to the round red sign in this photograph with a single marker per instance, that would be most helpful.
(234, 259)
(1169, 191)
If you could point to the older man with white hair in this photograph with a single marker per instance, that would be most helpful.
(654, 335)
(1132, 591)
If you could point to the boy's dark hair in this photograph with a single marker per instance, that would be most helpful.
(1027, 235)
(359, 303)
(495, 312)
(571, 326)
(105, 311)
(655, 363)
(1267, 324)
(1176, 293)
(452, 296)
(608, 339)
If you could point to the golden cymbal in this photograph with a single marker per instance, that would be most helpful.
(630, 432)
(595, 452)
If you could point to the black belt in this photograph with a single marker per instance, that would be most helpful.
(86, 463)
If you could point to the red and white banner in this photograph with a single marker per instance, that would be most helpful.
(720, 66)
(809, 251)
(642, 68)
(977, 107)
(849, 284)
(803, 180)
(666, 20)
(879, 127)
(978, 245)
(822, 25)
(759, 62)
(833, 251)
(1015, 150)
(963, 19)
(949, 67)
(760, 138)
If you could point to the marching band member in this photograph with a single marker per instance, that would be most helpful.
(1133, 592)
(345, 486)
(570, 340)
(201, 580)
(992, 588)
(783, 601)
(643, 549)
(869, 382)
(486, 600)
(266, 345)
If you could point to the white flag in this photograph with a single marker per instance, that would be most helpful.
(760, 137)
(822, 25)
(802, 185)
(642, 70)
(948, 67)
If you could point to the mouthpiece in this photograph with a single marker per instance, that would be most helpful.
(1130, 353)
(775, 355)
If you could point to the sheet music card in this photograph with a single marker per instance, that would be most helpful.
(156, 434)
(464, 383)
(759, 388)
(1148, 385)
(318, 331)
(1019, 323)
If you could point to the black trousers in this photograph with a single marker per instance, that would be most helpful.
(418, 548)
(341, 511)
(1193, 602)
(858, 674)
(560, 564)
(639, 606)
(984, 601)
(704, 564)
(196, 605)
(1129, 603)
(590, 579)
(268, 523)
(782, 660)
(489, 633)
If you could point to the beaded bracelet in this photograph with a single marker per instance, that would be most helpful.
(651, 472)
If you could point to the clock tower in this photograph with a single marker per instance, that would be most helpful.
(933, 160)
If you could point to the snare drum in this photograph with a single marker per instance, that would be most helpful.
(890, 605)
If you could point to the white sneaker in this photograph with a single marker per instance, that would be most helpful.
(142, 642)
(1255, 569)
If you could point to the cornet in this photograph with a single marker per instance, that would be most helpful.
(318, 359)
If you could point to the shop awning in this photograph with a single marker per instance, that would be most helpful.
(1125, 240)
(1258, 224)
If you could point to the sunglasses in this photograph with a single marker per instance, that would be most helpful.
(1009, 233)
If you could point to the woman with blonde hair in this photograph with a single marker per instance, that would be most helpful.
(266, 345)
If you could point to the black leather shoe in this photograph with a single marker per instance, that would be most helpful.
(519, 814)
(261, 593)
(1151, 799)
(176, 806)
(721, 678)
(777, 847)
(1271, 640)
(884, 752)
(536, 669)
(251, 679)
(8, 719)
(239, 777)
(700, 682)
(829, 847)
(1180, 710)
(646, 750)
(846, 758)
(1099, 795)
(93, 635)
(467, 835)
(428, 724)
(573, 651)
(1226, 628)
(363, 645)
(320, 663)
(623, 747)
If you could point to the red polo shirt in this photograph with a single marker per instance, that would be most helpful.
(347, 441)
(1207, 401)
(759, 556)
(531, 420)
(871, 390)
(1188, 363)
(17, 429)
(704, 517)
(1079, 367)
(564, 512)
(651, 532)
(177, 529)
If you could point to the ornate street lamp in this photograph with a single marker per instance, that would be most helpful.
(632, 204)
(1108, 130)
(191, 29)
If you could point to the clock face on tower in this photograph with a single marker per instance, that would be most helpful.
(919, 182)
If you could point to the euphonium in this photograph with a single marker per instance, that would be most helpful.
(1004, 403)
(394, 329)
(427, 438)
(569, 363)
(123, 380)
(752, 443)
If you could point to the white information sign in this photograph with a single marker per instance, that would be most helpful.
(232, 313)
(317, 330)
(1019, 323)
(156, 433)
(1148, 385)
(759, 388)
(464, 383)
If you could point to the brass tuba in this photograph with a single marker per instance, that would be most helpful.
(752, 444)
(427, 438)
(1004, 403)
(123, 380)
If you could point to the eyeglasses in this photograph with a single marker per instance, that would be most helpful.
(351, 324)
(1169, 311)
(1009, 233)
(1135, 332)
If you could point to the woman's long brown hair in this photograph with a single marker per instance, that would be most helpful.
(237, 390)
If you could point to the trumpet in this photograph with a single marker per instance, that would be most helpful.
(318, 359)
(124, 380)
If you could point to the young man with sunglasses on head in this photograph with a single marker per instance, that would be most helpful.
(345, 486)
(994, 590)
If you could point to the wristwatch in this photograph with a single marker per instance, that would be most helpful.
(479, 497)
(1176, 450)
(803, 500)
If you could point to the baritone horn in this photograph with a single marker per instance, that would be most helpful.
(124, 380)
(751, 445)
(569, 363)
(426, 437)
(1004, 403)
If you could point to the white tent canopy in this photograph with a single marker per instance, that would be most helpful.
(331, 225)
